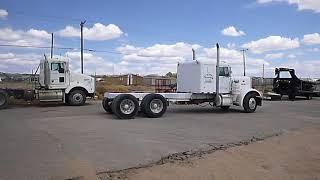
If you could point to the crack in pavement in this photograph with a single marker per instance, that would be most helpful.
(182, 156)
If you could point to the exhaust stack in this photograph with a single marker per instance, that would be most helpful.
(193, 55)
(217, 76)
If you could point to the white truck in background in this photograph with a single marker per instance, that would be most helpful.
(56, 84)
(197, 83)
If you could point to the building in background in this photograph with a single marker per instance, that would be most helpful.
(161, 83)
(126, 80)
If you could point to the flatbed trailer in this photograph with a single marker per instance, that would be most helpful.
(197, 83)
(5, 93)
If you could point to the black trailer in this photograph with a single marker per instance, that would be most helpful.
(291, 85)
(6, 93)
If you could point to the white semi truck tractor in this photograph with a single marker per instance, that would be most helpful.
(56, 84)
(197, 83)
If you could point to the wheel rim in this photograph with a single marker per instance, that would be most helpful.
(78, 97)
(252, 103)
(156, 106)
(2, 99)
(127, 106)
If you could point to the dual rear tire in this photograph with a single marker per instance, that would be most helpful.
(4, 99)
(154, 105)
(126, 106)
(106, 104)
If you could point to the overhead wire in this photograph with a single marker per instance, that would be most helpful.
(72, 48)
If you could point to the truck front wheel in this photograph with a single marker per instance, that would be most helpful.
(77, 98)
(250, 103)
(4, 99)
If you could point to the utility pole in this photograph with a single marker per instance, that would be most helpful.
(244, 60)
(51, 45)
(263, 84)
(81, 41)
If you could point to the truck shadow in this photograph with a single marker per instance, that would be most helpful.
(296, 99)
(40, 105)
(203, 110)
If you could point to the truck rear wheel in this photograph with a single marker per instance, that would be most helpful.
(250, 103)
(4, 99)
(77, 98)
(125, 106)
(107, 105)
(154, 105)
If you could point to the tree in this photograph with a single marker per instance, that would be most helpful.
(172, 75)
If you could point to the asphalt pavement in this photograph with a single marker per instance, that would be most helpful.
(59, 142)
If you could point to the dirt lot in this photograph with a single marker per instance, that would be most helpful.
(60, 142)
(293, 155)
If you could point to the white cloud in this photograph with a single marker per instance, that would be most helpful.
(291, 56)
(179, 49)
(3, 13)
(235, 59)
(91, 63)
(32, 37)
(162, 58)
(159, 58)
(272, 43)
(313, 5)
(98, 32)
(128, 49)
(311, 39)
(38, 34)
(304, 68)
(274, 56)
(25, 63)
(231, 45)
(19, 62)
(232, 31)
(314, 50)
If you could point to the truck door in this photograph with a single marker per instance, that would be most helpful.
(57, 74)
(225, 80)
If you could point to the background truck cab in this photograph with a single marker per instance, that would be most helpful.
(58, 83)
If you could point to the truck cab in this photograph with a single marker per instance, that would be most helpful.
(58, 83)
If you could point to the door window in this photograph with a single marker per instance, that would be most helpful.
(224, 71)
(57, 67)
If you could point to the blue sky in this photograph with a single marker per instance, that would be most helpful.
(149, 36)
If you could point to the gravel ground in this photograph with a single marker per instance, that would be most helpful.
(41, 142)
(293, 155)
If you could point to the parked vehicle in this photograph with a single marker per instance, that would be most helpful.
(56, 84)
(197, 83)
(287, 83)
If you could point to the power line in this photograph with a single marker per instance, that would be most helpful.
(56, 47)
(69, 48)
(37, 47)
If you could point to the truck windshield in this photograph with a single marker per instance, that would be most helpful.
(284, 74)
